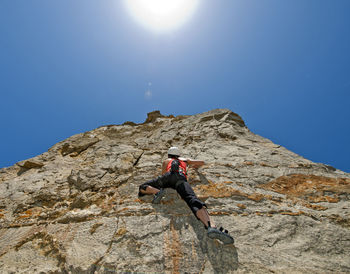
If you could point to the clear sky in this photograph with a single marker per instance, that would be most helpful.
(67, 67)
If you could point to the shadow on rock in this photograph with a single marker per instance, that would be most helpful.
(22, 170)
(222, 257)
(203, 179)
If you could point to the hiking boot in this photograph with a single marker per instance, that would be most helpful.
(158, 196)
(220, 234)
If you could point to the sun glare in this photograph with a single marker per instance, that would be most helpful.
(161, 15)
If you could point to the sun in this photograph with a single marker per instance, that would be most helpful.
(161, 15)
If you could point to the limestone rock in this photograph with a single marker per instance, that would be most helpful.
(31, 163)
(152, 117)
(75, 209)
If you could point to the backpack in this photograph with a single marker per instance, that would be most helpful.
(175, 164)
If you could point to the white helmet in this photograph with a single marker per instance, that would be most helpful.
(174, 151)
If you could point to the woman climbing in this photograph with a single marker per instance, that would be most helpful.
(174, 175)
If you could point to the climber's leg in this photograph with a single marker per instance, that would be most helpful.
(150, 187)
(203, 216)
(199, 210)
(149, 190)
(156, 187)
(197, 206)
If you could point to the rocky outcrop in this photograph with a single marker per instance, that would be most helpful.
(75, 209)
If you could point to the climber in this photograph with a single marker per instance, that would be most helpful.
(174, 175)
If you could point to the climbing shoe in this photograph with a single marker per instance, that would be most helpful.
(157, 197)
(220, 234)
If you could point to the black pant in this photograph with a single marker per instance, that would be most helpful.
(180, 184)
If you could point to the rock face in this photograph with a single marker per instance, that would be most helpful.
(75, 209)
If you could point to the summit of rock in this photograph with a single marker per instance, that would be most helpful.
(75, 208)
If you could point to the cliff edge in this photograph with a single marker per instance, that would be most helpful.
(75, 209)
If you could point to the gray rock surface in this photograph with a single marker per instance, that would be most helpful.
(75, 209)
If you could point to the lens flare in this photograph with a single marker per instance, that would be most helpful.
(161, 15)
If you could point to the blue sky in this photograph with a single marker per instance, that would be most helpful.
(70, 66)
